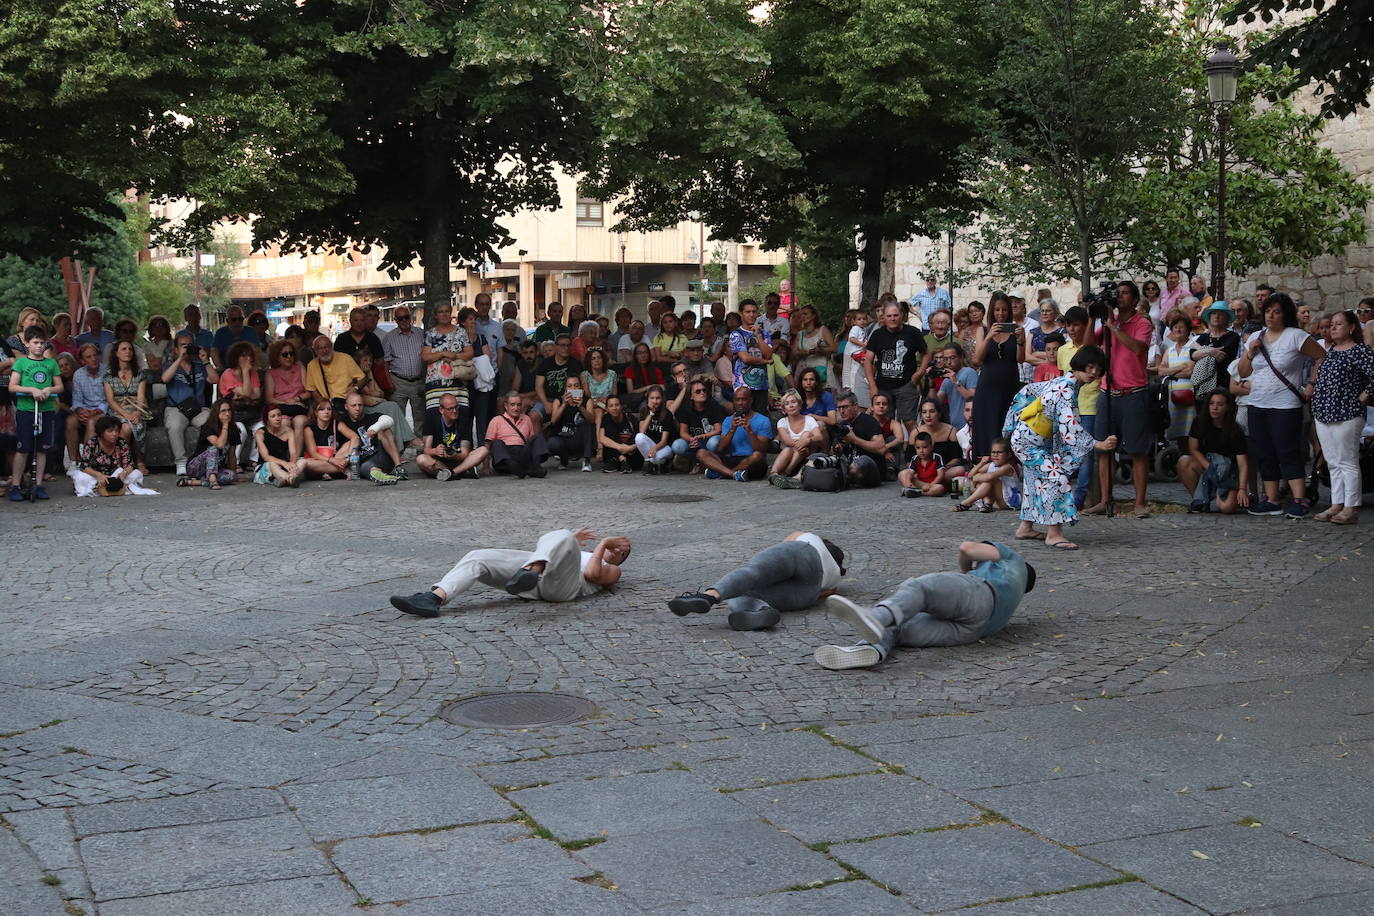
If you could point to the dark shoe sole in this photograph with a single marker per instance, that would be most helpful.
(689, 604)
(523, 582)
(404, 604)
(761, 619)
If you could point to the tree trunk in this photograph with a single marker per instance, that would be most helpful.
(435, 256)
(871, 256)
(1085, 261)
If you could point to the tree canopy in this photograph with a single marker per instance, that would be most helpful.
(1328, 45)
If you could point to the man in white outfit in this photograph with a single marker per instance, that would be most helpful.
(556, 570)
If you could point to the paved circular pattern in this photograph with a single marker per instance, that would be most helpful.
(520, 709)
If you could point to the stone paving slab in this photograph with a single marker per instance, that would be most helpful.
(321, 895)
(844, 897)
(21, 884)
(855, 807)
(201, 808)
(387, 869)
(676, 867)
(569, 767)
(170, 859)
(393, 804)
(1132, 899)
(254, 757)
(981, 761)
(541, 898)
(1244, 867)
(945, 869)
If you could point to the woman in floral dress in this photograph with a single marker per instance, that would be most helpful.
(1050, 462)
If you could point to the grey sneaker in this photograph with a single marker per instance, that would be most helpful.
(443, 474)
(839, 658)
(783, 482)
(859, 618)
(911, 492)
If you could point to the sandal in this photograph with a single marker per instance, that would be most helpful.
(959, 507)
(214, 483)
(1033, 536)
(986, 508)
(1062, 545)
(1326, 516)
(1345, 517)
(183, 482)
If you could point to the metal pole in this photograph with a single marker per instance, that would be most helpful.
(622, 274)
(197, 257)
(1219, 263)
(792, 271)
(949, 278)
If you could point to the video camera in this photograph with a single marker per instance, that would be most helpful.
(1101, 303)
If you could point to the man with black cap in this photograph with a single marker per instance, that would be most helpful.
(937, 609)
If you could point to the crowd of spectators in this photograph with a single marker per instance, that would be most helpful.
(1250, 404)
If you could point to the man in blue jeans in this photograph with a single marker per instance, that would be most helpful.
(938, 609)
(791, 576)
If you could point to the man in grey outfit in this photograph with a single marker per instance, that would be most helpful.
(938, 609)
(790, 576)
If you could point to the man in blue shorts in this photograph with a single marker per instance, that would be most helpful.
(938, 609)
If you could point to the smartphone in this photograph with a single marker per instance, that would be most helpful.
(1006, 327)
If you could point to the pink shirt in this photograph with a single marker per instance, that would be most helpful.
(499, 429)
(1169, 298)
(1128, 369)
(287, 383)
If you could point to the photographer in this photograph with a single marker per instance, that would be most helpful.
(186, 378)
(953, 383)
(859, 443)
(1125, 337)
(743, 444)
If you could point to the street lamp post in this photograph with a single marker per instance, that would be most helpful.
(1222, 68)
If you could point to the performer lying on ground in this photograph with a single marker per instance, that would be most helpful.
(790, 576)
(556, 570)
(938, 609)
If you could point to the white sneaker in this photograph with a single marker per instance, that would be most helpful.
(181, 469)
(839, 658)
(443, 474)
(859, 618)
(586, 467)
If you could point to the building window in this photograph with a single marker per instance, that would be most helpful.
(588, 211)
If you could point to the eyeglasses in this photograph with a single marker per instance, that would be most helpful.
(290, 353)
(405, 317)
(1364, 311)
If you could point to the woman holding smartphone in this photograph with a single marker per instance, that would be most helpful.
(999, 349)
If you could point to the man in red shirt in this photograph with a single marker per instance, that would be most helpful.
(1126, 411)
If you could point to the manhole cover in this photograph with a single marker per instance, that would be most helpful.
(517, 710)
(674, 498)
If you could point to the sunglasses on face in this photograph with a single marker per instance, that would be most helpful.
(290, 353)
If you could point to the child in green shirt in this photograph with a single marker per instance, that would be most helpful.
(35, 382)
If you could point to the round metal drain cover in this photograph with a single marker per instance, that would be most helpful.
(526, 709)
(674, 498)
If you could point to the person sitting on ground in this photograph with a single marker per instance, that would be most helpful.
(995, 481)
(513, 444)
(331, 375)
(790, 576)
(570, 426)
(935, 610)
(88, 398)
(925, 474)
(243, 383)
(616, 435)
(699, 424)
(553, 374)
(859, 442)
(556, 570)
(279, 448)
(944, 440)
(328, 443)
(657, 429)
(126, 393)
(799, 437)
(743, 445)
(34, 384)
(216, 457)
(1218, 459)
(379, 456)
(894, 435)
(446, 454)
(285, 385)
(106, 465)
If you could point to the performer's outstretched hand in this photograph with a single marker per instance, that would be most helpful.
(584, 535)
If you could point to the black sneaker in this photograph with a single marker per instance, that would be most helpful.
(539, 472)
(523, 582)
(421, 604)
(1265, 507)
(1298, 509)
(472, 474)
(761, 619)
(691, 603)
(1198, 508)
(911, 492)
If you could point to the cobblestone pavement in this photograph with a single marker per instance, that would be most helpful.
(207, 706)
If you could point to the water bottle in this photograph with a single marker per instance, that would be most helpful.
(353, 462)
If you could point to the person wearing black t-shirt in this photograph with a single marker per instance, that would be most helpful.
(859, 442)
(657, 431)
(617, 439)
(1218, 461)
(358, 337)
(698, 421)
(446, 455)
(551, 377)
(377, 450)
(571, 426)
(898, 364)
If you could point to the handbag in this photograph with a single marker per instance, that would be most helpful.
(823, 480)
(190, 407)
(1183, 396)
(484, 373)
(463, 370)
